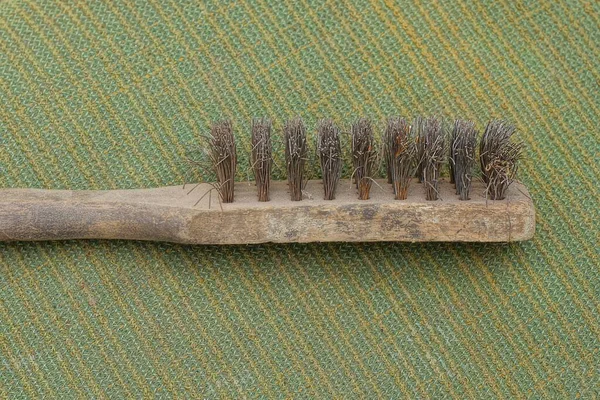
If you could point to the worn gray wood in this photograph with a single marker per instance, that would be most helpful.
(169, 214)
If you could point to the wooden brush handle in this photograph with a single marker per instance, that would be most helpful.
(170, 214)
(35, 214)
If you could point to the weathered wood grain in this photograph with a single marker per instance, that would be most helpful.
(169, 214)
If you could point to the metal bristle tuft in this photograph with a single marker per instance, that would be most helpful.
(296, 153)
(498, 156)
(401, 150)
(262, 156)
(330, 156)
(364, 156)
(222, 153)
(462, 156)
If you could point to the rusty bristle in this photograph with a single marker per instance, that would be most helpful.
(401, 152)
(418, 129)
(498, 156)
(330, 156)
(364, 156)
(453, 139)
(262, 156)
(389, 137)
(432, 156)
(296, 153)
(462, 156)
(223, 156)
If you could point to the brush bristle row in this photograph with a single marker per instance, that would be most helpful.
(401, 152)
(419, 150)
(462, 156)
(364, 156)
(224, 158)
(296, 154)
(262, 156)
(330, 156)
(498, 157)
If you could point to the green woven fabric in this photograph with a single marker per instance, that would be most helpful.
(114, 94)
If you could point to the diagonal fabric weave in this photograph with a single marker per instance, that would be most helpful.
(98, 95)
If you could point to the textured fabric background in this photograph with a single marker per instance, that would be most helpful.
(98, 95)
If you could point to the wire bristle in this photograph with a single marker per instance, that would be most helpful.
(433, 156)
(419, 133)
(223, 156)
(498, 156)
(462, 156)
(296, 153)
(453, 139)
(401, 150)
(262, 156)
(364, 156)
(389, 138)
(330, 156)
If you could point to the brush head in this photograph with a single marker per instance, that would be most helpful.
(498, 156)
(222, 152)
(364, 156)
(296, 154)
(330, 156)
(462, 156)
(262, 157)
(420, 149)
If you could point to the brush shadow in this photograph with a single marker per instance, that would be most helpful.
(315, 266)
